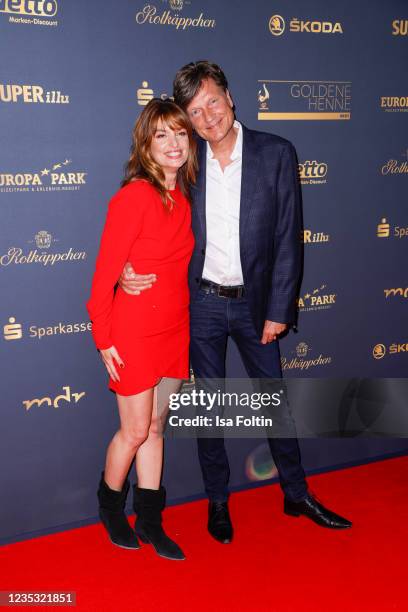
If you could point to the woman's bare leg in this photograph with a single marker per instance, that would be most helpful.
(149, 457)
(135, 413)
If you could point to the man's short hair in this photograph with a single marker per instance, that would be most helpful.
(189, 78)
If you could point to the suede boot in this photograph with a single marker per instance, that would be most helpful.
(148, 505)
(112, 514)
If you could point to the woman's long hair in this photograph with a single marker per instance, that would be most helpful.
(141, 164)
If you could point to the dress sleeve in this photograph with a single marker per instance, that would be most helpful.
(122, 226)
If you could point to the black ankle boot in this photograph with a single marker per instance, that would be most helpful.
(148, 505)
(112, 514)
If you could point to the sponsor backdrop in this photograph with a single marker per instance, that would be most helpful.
(328, 76)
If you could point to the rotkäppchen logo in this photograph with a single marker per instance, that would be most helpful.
(151, 15)
(30, 12)
(303, 100)
(43, 253)
(394, 167)
(55, 176)
(304, 358)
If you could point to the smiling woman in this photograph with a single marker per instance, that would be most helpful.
(162, 147)
(144, 340)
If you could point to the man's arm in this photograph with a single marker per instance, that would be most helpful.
(133, 283)
(287, 245)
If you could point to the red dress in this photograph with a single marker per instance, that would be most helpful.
(150, 331)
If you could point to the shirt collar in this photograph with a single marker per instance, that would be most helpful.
(237, 150)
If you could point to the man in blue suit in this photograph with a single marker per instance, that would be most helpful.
(244, 272)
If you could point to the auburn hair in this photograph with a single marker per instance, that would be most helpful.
(141, 164)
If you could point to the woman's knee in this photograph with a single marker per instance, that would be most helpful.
(135, 436)
(156, 426)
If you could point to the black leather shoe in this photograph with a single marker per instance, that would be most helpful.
(219, 522)
(313, 509)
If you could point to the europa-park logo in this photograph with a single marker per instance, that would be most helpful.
(317, 299)
(277, 26)
(304, 358)
(43, 253)
(56, 176)
(30, 12)
(172, 15)
(394, 104)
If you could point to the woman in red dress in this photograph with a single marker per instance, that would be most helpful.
(144, 340)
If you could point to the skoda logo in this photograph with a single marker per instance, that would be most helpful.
(276, 25)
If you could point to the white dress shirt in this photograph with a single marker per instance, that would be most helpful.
(222, 262)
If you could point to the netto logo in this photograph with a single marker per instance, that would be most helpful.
(12, 330)
(38, 8)
(309, 237)
(394, 104)
(312, 173)
(56, 177)
(149, 15)
(43, 240)
(30, 94)
(383, 230)
(276, 25)
(400, 27)
(145, 93)
(380, 351)
(300, 362)
(30, 12)
(67, 397)
(316, 300)
(394, 292)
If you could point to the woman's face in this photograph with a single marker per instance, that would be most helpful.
(169, 148)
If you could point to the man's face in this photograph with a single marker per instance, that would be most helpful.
(210, 112)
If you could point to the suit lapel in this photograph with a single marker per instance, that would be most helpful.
(199, 189)
(250, 162)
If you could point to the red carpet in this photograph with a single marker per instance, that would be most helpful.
(275, 563)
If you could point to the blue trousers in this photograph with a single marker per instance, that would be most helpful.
(213, 320)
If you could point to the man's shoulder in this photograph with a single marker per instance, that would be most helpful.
(266, 140)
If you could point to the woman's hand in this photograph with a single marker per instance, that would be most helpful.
(109, 356)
